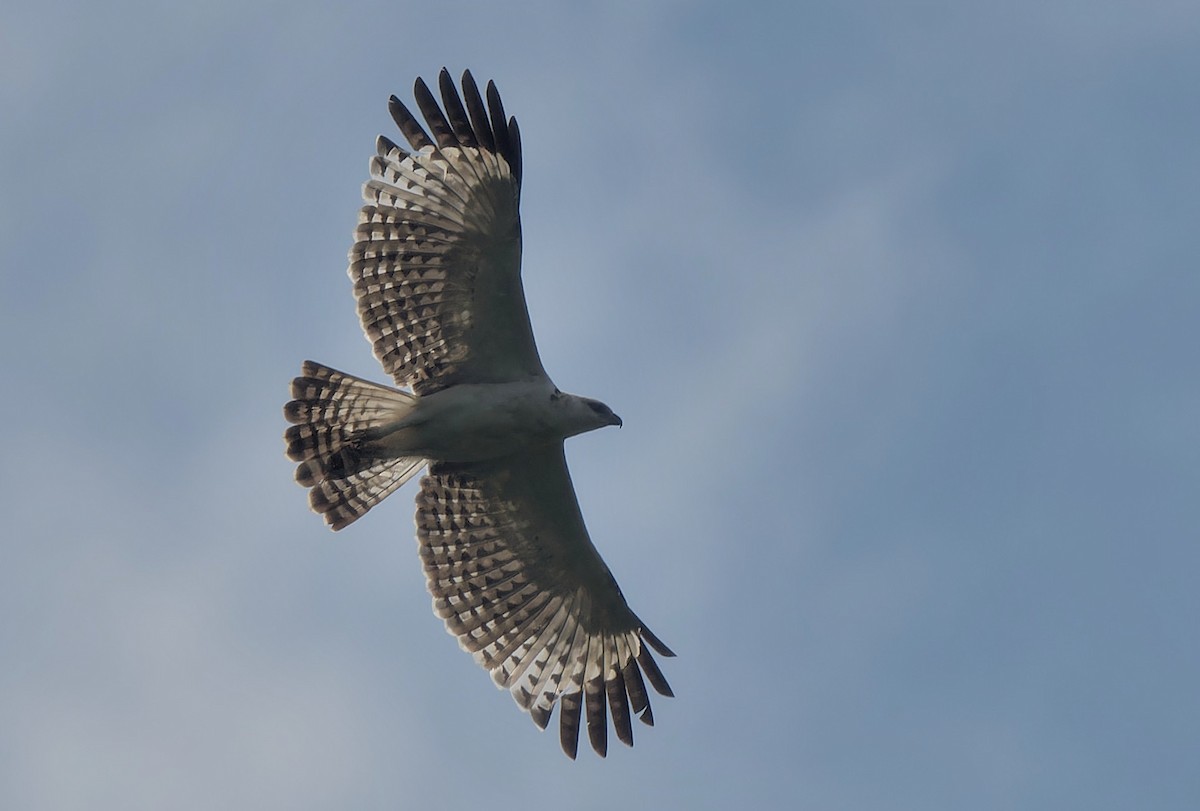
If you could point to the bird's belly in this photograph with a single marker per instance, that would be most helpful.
(471, 423)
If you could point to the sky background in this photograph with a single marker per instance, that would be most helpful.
(900, 304)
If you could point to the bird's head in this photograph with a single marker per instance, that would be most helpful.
(582, 414)
(602, 413)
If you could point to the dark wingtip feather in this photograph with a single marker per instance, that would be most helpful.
(459, 122)
(408, 124)
(570, 706)
(635, 687)
(653, 641)
(596, 724)
(650, 667)
(500, 129)
(619, 706)
(514, 137)
(477, 112)
(438, 125)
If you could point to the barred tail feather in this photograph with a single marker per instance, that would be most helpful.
(344, 501)
(335, 417)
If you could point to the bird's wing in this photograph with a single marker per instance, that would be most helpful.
(436, 262)
(517, 580)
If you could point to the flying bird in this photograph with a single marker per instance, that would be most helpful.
(436, 266)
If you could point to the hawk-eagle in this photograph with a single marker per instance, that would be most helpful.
(436, 266)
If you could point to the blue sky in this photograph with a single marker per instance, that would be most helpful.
(899, 304)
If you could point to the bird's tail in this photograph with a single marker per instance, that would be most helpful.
(335, 419)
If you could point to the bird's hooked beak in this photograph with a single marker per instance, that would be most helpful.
(617, 421)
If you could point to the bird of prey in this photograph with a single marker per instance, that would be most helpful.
(436, 266)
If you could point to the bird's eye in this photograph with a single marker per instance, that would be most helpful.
(556, 395)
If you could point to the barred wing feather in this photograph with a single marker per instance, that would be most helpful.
(437, 254)
(517, 580)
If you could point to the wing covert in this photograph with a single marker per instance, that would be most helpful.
(436, 261)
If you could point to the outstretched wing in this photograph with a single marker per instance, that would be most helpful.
(517, 580)
(436, 262)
